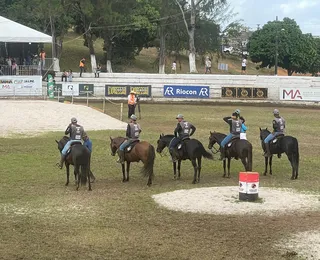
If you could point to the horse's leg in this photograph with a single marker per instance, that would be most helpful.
(123, 172)
(68, 174)
(224, 169)
(174, 165)
(128, 170)
(229, 162)
(195, 169)
(199, 168)
(270, 165)
(92, 177)
(290, 157)
(266, 166)
(179, 167)
(76, 170)
(88, 176)
(245, 163)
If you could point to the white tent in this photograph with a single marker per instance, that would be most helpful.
(11, 31)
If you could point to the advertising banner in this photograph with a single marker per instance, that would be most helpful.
(142, 91)
(70, 89)
(20, 85)
(244, 92)
(260, 93)
(57, 90)
(116, 91)
(229, 92)
(300, 94)
(50, 87)
(177, 91)
(86, 87)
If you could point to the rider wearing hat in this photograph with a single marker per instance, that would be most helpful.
(76, 133)
(244, 128)
(279, 125)
(132, 101)
(133, 134)
(235, 129)
(182, 132)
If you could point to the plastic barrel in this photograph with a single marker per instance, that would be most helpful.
(248, 186)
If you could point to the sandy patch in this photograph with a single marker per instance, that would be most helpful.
(36, 117)
(304, 244)
(224, 201)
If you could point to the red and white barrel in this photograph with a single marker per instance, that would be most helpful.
(248, 186)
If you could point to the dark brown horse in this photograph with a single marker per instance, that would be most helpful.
(80, 158)
(142, 151)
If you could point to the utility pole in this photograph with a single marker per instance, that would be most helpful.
(277, 45)
(52, 31)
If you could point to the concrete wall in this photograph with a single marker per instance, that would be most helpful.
(216, 82)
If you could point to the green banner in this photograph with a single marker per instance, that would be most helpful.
(83, 88)
(50, 86)
(58, 90)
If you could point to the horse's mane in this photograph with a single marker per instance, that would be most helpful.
(168, 136)
(66, 138)
(217, 133)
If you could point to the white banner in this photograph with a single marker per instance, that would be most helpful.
(300, 94)
(20, 86)
(70, 89)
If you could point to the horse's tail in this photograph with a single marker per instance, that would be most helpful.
(147, 169)
(84, 173)
(205, 153)
(296, 156)
(249, 157)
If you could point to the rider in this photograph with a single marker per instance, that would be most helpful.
(87, 142)
(76, 132)
(182, 132)
(133, 134)
(235, 129)
(279, 125)
(244, 128)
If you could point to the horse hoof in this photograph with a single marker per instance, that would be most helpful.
(223, 176)
(67, 184)
(194, 182)
(90, 189)
(264, 174)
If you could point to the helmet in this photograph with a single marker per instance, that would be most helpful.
(133, 117)
(74, 120)
(237, 111)
(276, 112)
(179, 116)
(235, 114)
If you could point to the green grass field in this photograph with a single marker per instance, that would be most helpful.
(43, 219)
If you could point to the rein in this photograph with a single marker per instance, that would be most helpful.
(216, 150)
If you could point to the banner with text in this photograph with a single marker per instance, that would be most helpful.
(300, 94)
(116, 91)
(20, 85)
(244, 92)
(70, 89)
(84, 88)
(176, 91)
(124, 90)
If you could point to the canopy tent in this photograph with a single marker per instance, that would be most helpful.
(11, 31)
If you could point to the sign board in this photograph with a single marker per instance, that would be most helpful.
(300, 94)
(176, 91)
(229, 92)
(20, 85)
(244, 92)
(70, 89)
(260, 93)
(56, 88)
(124, 90)
(86, 87)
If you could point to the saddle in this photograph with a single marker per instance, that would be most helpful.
(182, 143)
(233, 139)
(130, 147)
(275, 139)
(69, 150)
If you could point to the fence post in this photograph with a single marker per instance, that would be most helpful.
(104, 105)
(58, 95)
(87, 98)
(72, 96)
(121, 110)
(14, 92)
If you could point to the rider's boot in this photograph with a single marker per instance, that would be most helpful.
(121, 157)
(222, 154)
(267, 152)
(62, 159)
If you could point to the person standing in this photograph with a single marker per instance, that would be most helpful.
(244, 65)
(82, 66)
(88, 143)
(64, 76)
(174, 67)
(70, 76)
(132, 102)
(42, 59)
(208, 66)
(97, 71)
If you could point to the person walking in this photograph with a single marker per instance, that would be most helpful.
(82, 66)
(42, 59)
(244, 65)
(132, 102)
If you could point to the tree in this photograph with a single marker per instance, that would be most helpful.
(295, 49)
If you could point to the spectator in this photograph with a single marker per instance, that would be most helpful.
(82, 66)
(14, 67)
(208, 65)
(70, 75)
(244, 65)
(42, 59)
(64, 75)
(132, 101)
(97, 71)
(174, 67)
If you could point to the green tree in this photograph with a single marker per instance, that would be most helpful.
(295, 49)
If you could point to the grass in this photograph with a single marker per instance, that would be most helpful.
(43, 219)
(146, 62)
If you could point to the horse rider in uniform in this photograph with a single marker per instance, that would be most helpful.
(182, 132)
(279, 125)
(76, 133)
(244, 128)
(133, 134)
(235, 129)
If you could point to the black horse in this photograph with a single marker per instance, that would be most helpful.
(192, 150)
(80, 158)
(240, 149)
(284, 144)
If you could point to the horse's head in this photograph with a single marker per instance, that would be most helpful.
(163, 142)
(213, 139)
(62, 142)
(264, 133)
(115, 144)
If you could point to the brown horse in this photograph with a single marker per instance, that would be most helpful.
(142, 151)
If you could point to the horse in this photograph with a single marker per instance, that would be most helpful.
(239, 149)
(142, 151)
(80, 158)
(284, 144)
(193, 150)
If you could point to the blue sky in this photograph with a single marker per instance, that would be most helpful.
(305, 12)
